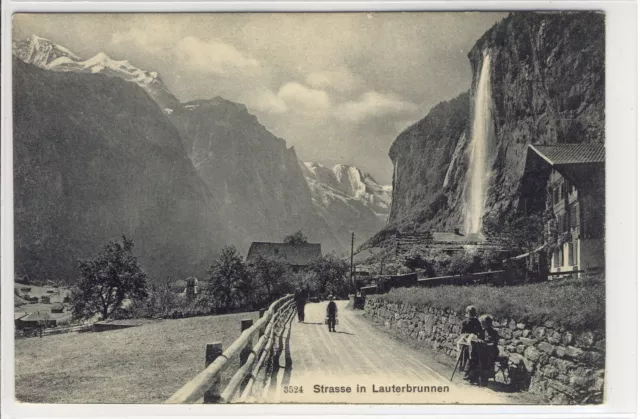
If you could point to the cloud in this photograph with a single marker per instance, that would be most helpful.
(214, 56)
(340, 80)
(266, 101)
(153, 38)
(373, 104)
(303, 98)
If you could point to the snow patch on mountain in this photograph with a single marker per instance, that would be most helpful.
(349, 199)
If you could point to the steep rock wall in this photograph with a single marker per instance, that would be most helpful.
(95, 158)
(422, 157)
(263, 193)
(547, 87)
(547, 81)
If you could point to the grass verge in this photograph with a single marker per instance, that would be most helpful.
(578, 304)
(144, 364)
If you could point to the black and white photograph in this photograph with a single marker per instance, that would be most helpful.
(310, 208)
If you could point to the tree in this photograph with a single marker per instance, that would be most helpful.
(524, 232)
(416, 261)
(271, 275)
(161, 300)
(296, 238)
(230, 284)
(330, 273)
(108, 279)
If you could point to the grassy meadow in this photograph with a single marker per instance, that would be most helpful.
(144, 364)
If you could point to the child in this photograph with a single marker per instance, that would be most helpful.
(332, 313)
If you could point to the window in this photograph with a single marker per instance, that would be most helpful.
(563, 190)
(561, 223)
(558, 257)
(571, 254)
(574, 216)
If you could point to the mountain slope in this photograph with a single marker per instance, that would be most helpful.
(48, 55)
(348, 199)
(257, 178)
(95, 158)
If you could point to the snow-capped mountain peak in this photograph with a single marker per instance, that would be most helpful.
(348, 198)
(351, 182)
(40, 51)
(51, 56)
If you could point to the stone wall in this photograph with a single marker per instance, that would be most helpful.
(559, 365)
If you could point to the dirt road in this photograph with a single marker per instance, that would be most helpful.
(359, 364)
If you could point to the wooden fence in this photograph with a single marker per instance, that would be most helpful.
(206, 386)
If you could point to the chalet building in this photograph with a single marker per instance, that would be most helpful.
(42, 319)
(295, 255)
(567, 182)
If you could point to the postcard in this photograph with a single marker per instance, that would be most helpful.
(296, 208)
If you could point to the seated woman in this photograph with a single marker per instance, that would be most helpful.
(490, 351)
(483, 353)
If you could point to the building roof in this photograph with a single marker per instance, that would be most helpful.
(563, 154)
(39, 316)
(294, 254)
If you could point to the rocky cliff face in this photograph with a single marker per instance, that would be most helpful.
(258, 180)
(547, 75)
(429, 164)
(95, 158)
(547, 87)
(348, 200)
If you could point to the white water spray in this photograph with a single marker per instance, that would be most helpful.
(481, 144)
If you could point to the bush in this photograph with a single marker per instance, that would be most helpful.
(578, 304)
(463, 263)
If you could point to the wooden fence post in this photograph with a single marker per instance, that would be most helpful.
(261, 314)
(213, 351)
(244, 353)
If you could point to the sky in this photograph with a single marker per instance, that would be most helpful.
(337, 87)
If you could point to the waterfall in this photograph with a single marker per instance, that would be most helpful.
(481, 138)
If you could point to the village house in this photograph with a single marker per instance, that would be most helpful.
(42, 319)
(567, 182)
(297, 256)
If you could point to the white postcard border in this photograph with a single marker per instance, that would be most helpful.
(621, 228)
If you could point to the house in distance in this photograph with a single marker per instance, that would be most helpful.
(567, 181)
(298, 256)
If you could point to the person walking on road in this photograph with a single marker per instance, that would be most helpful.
(300, 298)
(332, 313)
